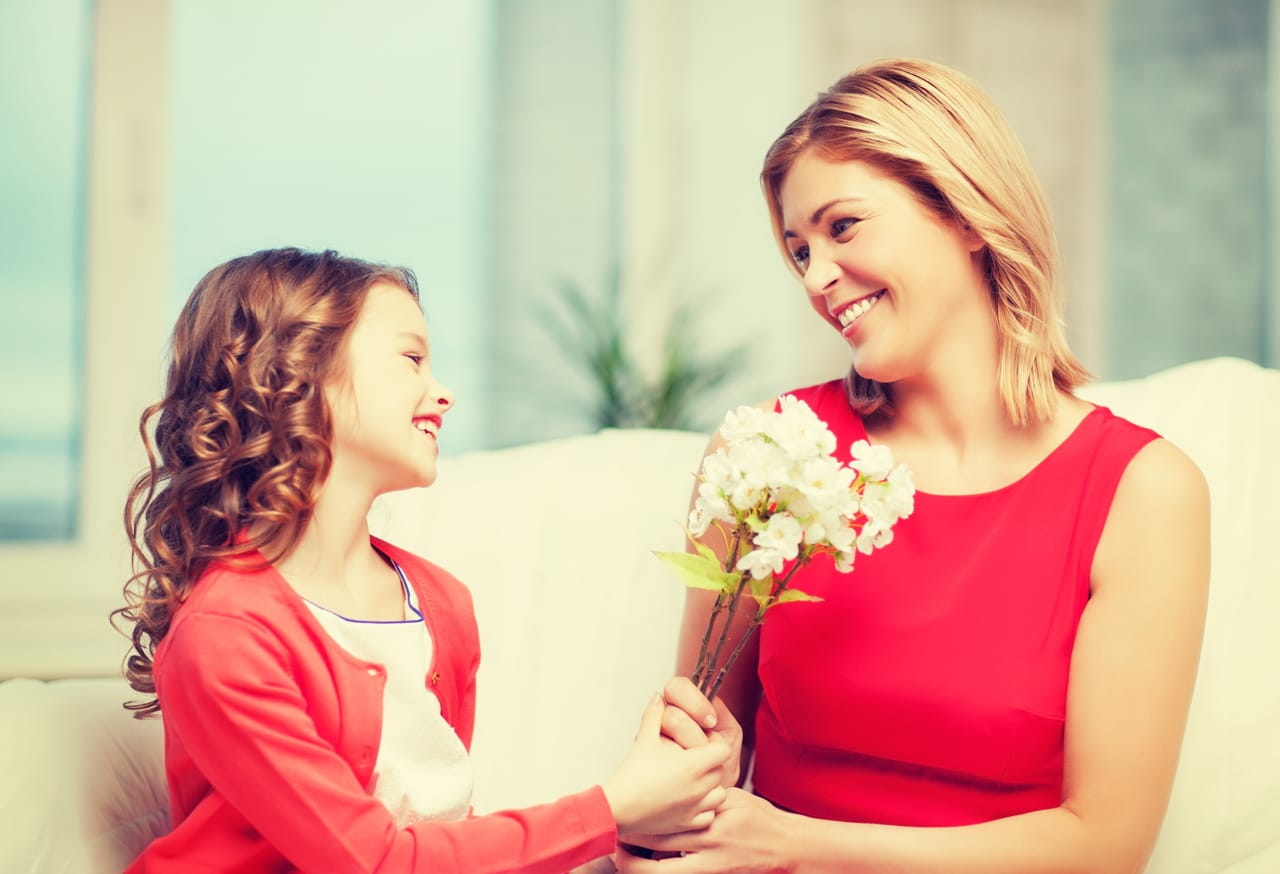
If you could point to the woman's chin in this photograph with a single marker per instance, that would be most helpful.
(870, 367)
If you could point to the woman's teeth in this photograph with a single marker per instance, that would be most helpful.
(850, 314)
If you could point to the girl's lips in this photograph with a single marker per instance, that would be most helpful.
(429, 425)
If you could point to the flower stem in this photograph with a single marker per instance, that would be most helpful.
(733, 656)
(709, 667)
(756, 622)
(703, 666)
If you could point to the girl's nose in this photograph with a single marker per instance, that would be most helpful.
(443, 397)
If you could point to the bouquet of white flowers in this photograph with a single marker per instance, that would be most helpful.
(777, 494)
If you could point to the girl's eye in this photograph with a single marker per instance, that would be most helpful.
(800, 255)
(415, 358)
(840, 226)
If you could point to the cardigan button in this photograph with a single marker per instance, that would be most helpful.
(435, 678)
(374, 671)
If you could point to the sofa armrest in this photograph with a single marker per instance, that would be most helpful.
(84, 787)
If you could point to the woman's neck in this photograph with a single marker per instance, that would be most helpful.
(954, 398)
(950, 425)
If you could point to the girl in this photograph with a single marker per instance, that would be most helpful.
(1002, 689)
(317, 683)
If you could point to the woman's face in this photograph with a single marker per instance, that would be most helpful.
(901, 285)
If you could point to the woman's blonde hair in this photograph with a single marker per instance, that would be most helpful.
(242, 440)
(937, 133)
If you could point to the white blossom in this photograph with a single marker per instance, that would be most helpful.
(825, 482)
(777, 488)
(873, 536)
(873, 462)
(798, 428)
(778, 468)
(781, 534)
(761, 562)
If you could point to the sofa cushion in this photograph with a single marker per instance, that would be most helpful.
(1224, 814)
(578, 620)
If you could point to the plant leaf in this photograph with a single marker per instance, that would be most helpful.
(704, 550)
(795, 595)
(761, 590)
(699, 571)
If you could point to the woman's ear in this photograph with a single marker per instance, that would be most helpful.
(972, 241)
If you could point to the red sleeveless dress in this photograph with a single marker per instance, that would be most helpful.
(928, 687)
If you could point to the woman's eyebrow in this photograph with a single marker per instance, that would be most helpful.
(818, 213)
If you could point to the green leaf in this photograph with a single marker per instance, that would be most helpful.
(699, 571)
(761, 590)
(705, 551)
(795, 595)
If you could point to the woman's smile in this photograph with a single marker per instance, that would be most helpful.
(853, 312)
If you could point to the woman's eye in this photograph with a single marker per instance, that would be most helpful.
(840, 226)
(800, 255)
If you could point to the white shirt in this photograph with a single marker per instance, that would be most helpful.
(423, 770)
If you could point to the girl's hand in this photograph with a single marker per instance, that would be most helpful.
(662, 787)
(748, 835)
(691, 721)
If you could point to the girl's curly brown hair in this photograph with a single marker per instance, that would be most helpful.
(241, 445)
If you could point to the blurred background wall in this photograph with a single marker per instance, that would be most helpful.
(508, 149)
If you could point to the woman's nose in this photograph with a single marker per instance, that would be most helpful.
(820, 276)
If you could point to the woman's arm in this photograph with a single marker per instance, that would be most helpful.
(1133, 668)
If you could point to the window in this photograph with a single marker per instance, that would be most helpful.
(43, 100)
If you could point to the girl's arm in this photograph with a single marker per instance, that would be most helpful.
(1132, 672)
(230, 694)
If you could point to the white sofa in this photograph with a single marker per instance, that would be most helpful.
(578, 622)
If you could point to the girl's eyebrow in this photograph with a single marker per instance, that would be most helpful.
(415, 338)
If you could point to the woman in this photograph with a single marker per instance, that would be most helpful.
(1004, 687)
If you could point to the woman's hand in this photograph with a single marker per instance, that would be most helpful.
(749, 835)
(692, 721)
(661, 787)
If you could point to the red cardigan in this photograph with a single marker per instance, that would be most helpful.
(271, 733)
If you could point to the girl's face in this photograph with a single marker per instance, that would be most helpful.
(387, 407)
(898, 282)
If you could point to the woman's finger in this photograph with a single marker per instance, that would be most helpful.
(680, 692)
(680, 727)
